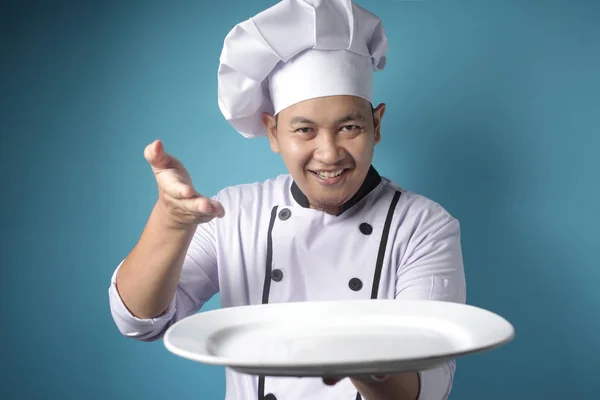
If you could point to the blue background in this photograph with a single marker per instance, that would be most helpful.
(492, 110)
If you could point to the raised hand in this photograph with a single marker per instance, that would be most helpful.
(183, 205)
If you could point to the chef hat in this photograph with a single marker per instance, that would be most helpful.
(297, 50)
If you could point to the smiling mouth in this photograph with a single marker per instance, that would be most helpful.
(328, 174)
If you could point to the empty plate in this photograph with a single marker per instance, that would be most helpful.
(339, 338)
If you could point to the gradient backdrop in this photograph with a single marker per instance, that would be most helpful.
(493, 111)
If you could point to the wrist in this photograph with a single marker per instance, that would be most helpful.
(168, 222)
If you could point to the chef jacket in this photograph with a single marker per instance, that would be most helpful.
(386, 243)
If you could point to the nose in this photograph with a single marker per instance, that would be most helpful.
(328, 149)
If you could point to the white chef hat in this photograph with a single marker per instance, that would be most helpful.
(297, 50)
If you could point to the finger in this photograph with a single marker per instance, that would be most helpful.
(155, 154)
(204, 206)
(218, 208)
(379, 378)
(151, 149)
(330, 381)
(199, 206)
(370, 378)
(179, 190)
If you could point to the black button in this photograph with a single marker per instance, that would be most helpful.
(365, 228)
(276, 275)
(284, 214)
(270, 396)
(355, 284)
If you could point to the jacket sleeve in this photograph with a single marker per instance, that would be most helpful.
(431, 268)
(197, 284)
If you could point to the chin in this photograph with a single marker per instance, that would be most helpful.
(331, 201)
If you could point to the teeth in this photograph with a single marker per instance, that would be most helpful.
(331, 174)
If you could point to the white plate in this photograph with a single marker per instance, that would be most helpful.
(336, 338)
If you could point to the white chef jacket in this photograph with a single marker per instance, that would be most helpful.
(387, 243)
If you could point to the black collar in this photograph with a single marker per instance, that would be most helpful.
(372, 180)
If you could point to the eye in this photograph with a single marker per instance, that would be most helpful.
(350, 128)
(303, 130)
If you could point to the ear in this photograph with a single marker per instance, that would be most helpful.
(270, 125)
(377, 117)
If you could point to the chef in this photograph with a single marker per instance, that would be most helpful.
(299, 73)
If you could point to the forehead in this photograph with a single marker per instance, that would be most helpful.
(327, 108)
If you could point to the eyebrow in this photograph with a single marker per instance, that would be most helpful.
(353, 116)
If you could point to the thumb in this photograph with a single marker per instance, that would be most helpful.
(156, 156)
(331, 380)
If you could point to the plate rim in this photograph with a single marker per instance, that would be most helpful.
(281, 367)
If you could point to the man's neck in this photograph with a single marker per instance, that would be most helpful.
(328, 209)
(371, 182)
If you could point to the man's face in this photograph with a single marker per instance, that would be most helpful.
(327, 145)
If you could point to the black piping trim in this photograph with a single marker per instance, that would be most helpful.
(383, 244)
(376, 279)
(381, 254)
(267, 286)
(372, 180)
(261, 387)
